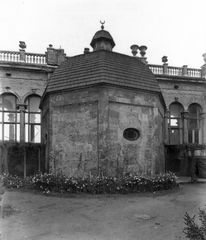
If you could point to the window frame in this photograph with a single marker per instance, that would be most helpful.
(194, 132)
(134, 131)
(15, 123)
(176, 131)
(29, 125)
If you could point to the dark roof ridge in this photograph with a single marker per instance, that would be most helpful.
(103, 50)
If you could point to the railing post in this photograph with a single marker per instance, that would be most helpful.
(22, 46)
(184, 70)
(203, 71)
(22, 55)
(165, 66)
(204, 67)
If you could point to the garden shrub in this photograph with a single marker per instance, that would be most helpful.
(130, 183)
(192, 230)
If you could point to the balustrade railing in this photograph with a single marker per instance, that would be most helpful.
(194, 72)
(35, 58)
(175, 71)
(156, 69)
(32, 58)
(9, 56)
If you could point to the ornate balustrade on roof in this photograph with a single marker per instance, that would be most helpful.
(35, 58)
(9, 56)
(175, 71)
(32, 58)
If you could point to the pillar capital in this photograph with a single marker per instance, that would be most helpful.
(185, 114)
(21, 107)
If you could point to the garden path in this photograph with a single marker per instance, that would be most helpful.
(142, 216)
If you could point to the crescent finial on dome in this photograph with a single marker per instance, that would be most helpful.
(102, 27)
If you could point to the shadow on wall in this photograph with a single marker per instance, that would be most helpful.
(22, 160)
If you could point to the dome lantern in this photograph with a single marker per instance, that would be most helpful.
(102, 40)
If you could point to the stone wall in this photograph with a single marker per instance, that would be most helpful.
(86, 135)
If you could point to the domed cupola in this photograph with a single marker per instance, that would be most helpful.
(102, 40)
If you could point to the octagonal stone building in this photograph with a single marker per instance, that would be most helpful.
(103, 114)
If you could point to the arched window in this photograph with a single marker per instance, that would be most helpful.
(194, 124)
(9, 118)
(33, 120)
(175, 124)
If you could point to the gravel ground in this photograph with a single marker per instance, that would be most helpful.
(141, 216)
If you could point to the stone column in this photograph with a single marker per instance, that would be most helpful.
(202, 128)
(184, 158)
(22, 108)
(167, 115)
(185, 129)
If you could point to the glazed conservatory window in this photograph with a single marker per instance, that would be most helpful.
(9, 118)
(194, 132)
(33, 120)
(175, 124)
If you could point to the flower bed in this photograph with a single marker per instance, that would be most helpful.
(130, 183)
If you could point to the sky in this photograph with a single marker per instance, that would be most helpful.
(172, 28)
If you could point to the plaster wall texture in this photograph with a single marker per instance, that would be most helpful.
(86, 132)
(186, 94)
(23, 81)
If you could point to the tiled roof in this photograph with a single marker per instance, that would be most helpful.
(102, 67)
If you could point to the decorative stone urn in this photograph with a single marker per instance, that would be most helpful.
(164, 59)
(134, 48)
(22, 44)
(143, 50)
(204, 56)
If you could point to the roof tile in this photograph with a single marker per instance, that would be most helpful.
(102, 67)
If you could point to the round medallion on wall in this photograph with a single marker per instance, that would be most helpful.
(131, 134)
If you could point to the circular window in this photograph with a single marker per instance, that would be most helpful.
(131, 134)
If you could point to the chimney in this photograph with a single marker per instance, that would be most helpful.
(55, 56)
(86, 50)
